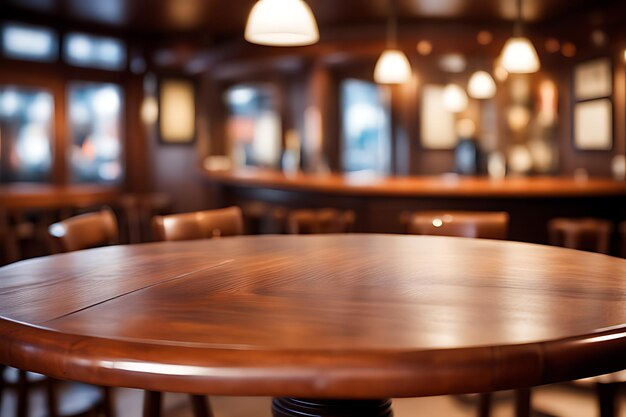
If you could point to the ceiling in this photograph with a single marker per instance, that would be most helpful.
(226, 18)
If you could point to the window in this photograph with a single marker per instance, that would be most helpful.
(366, 127)
(96, 52)
(254, 127)
(25, 134)
(95, 126)
(29, 42)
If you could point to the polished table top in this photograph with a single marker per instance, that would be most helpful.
(325, 316)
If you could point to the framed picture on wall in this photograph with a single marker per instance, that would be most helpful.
(593, 79)
(593, 125)
(177, 111)
(437, 123)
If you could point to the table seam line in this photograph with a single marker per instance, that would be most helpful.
(177, 277)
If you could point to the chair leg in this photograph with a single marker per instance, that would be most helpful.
(2, 383)
(152, 404)
(522, 402)
(484, 404)
(51, 394)
(22, 394)
(607, 394)
(201, 406)
(108, 402)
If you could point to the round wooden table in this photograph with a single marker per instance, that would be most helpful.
(341, 320)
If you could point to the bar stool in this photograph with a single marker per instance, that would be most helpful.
(587, 234)
(325, 220)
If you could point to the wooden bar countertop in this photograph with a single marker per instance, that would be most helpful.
(447, 185)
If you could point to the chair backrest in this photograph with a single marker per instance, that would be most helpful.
(138, 210)
(199, 224)
(326, 220)
(86, 231)
(476, 224)
(588, 234)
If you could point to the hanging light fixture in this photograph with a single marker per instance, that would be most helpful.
(519, 56)
(454, 98)
(281, 23)
(481, 85)
(393, 66)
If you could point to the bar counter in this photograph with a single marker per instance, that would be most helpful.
(378, 202)
(447, 185)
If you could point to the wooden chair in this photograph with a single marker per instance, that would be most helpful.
(472, 224)
(593, 235)
(476, 224)
(100, 229)
(85, 231)
(325, 220)
(205, 224)
(587, 234)
(23, 384)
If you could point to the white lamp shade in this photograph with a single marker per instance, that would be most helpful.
(392, 68)
(281, 23)
(454, 98)
(519, 56)
(481, 85)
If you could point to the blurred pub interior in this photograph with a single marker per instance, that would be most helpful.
(168, 99)
(165, 98)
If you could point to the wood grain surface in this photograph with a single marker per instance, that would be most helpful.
(450, 185)
(333, 316)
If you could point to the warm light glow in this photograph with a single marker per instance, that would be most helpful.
(437, 222)
(624, 54)
(518, 117)
(466, 128)
(149, 110)
(392, 68)
(424, 47)
(281, 23)
(519, 56)
(484, 37)
(481, 85)
(568, 50)
(454, 98)
(454, 63)
(177, 111)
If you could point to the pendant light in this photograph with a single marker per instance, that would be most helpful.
(454, 98)
(481, 85)
(393, 66)
(519, 56)
(281, 23)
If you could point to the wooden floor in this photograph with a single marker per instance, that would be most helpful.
(556, 400)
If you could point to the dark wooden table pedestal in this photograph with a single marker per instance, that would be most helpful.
(292, 407)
